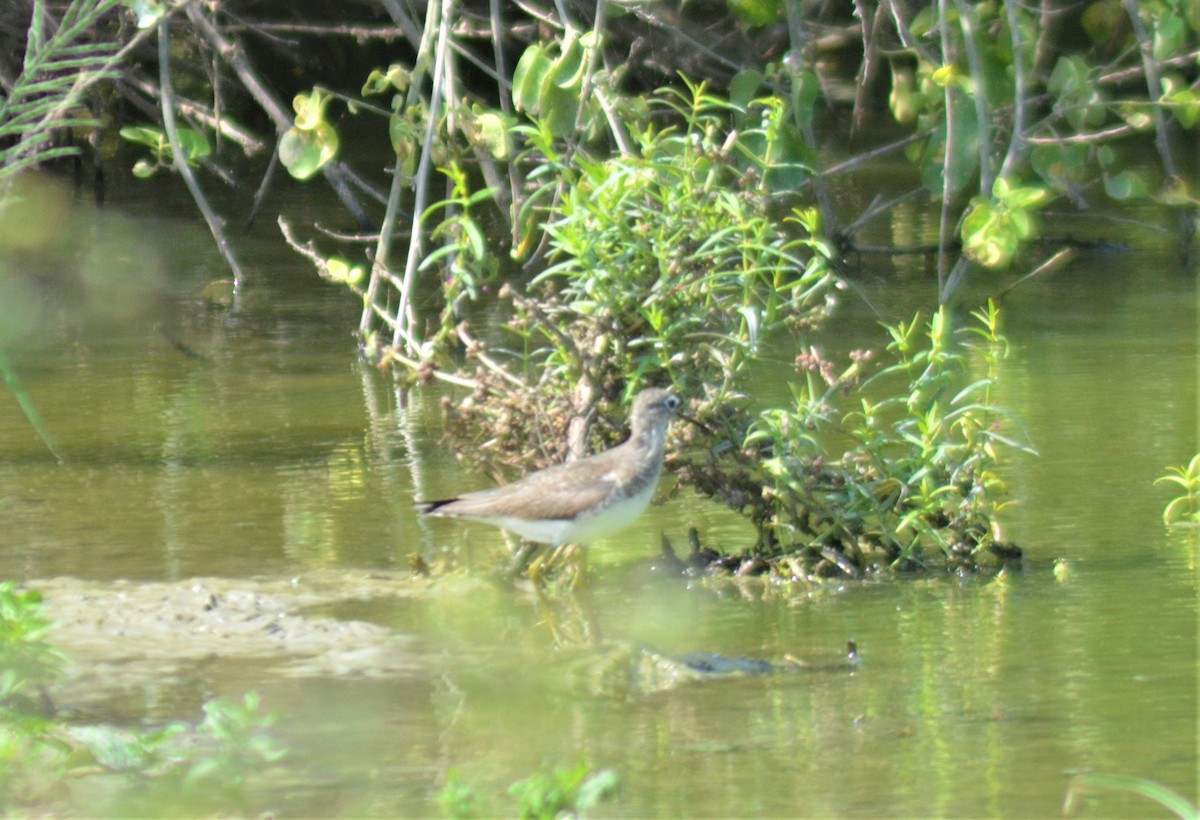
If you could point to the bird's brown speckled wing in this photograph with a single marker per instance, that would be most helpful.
(556, 493)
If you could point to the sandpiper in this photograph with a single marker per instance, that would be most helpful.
(580, 501)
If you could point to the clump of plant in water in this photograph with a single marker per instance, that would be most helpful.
(663, 264)
(201, 767)
(1183, 509)
(561, 791)
(917, 485)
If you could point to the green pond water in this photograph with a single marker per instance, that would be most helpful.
(242, 520)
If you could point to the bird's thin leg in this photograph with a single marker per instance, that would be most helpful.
(534, 573)
(579, 554)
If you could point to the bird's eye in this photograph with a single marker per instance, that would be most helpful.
(673, 402)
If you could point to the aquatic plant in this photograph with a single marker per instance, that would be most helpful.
(662, 262)
(569, 790)
(917, 487)
(1085, 782)
(1184, 508)
(460, 800)
(558, 791)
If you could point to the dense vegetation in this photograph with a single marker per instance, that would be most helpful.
(654, 213)
(638, 193)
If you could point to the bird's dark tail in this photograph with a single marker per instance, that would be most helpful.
(429, 507)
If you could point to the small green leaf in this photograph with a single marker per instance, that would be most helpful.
(755, 13)
(805, 89)
(144, 168)
(194, 143)
(304, 152)
(1137, 115)
(492, 132)
(1126, 185)
(904, 100)
(339, 270)
(558, 106)
(945, 75)
(144, 135)
(310, 108)
(1185, 106)
(569, 68)
(1170, 34)
(743, 88)
(405, 137)
(397, 77)
(531, 71)
(990, 235)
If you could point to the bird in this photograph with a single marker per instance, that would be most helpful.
(580, 501)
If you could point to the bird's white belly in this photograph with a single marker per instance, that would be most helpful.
(584, 528)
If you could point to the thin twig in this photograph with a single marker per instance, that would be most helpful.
(391, 354)
(1016, 141)
(516, 177)
(948, 147)
(1062, 257)
(249, 142)
(180, 161)
(877, 208)
(983, 120)
(858, 160)
(406, 320)
(383, 246)
(906, 35)
(476, 352)
(1113, 133)
(264, 185)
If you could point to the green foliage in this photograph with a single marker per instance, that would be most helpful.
(460, 800)
(561, 791)
(26, 660)
(13, 382)
(311, 143)
(200, 767)
(569, 790)
(971, 81)
(45, 97)
(673, 250)
(464, 257)
(194, 143)
(920, 474)
(549, 78)
(663, 260)
(406, 123)
(1184, 508)
(238, 743)
(756, 13)
(995, 227)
